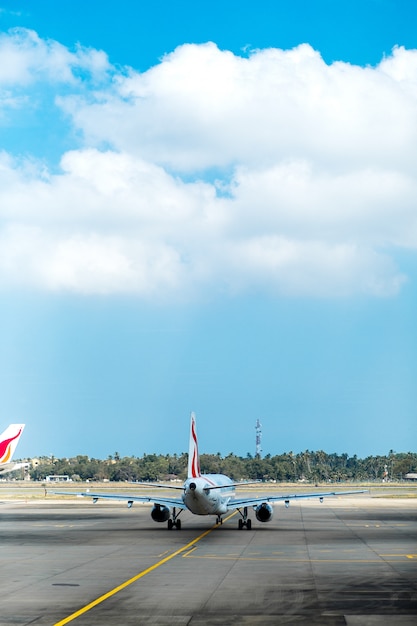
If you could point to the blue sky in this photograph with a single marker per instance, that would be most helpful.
(208, 207)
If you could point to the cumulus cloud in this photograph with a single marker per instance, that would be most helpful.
(26, 59)
(202, 107)
(92, 263)
(212, 172)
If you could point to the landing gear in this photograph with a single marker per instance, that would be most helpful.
(219, 519)
(174, 521)
(244, 520)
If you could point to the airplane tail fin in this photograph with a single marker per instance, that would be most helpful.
(8, 442)
(193, 456)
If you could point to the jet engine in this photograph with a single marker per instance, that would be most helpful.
(160, 513)
(264, 512)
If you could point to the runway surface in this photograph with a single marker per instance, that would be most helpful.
(350, 560)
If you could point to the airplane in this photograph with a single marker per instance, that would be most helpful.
(8, 442)
(207, 494)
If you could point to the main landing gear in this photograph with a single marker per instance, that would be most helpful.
(174, 521)
(244, 520)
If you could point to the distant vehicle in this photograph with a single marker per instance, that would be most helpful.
(8, 442)
(206, 494)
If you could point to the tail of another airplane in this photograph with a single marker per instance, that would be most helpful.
(193, 456)
(8, 442)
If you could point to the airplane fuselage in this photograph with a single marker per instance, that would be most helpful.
(12, 467)
(201, 499)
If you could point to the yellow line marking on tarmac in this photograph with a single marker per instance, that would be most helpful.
(189, 551)
(162, 553)
(113, 592)
(408, 556)
(189, 555)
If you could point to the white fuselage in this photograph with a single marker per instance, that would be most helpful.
(201, 500)
(12, 467)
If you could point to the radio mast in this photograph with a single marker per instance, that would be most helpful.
(258, 427)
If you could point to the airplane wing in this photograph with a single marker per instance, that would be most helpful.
(209, 487)
(227, 485)
(237, 503)
(174, 502)
(158, 485)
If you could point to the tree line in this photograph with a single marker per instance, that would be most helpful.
(288, 467)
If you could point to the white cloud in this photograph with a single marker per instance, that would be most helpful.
(369, 206)
(95, 264)
(202, 107)
(316, 169)
(26, 58)
(312, 268)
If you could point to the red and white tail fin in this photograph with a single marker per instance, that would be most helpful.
(8, 441)
(193, 456)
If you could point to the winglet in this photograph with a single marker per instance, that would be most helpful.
(193, 456)
(8, 441)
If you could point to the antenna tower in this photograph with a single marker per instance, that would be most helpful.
(258, 427)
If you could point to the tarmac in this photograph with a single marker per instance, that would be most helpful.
(350, 560)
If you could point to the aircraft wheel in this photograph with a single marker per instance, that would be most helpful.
(178, 524)
(249, 524)
(170, 524)
(240, 524)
